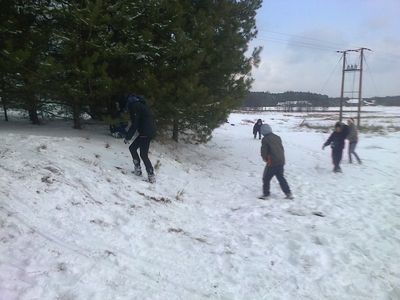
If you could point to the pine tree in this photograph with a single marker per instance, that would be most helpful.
(203, 71)
(24, 43)
(188, 58)
(102, 51)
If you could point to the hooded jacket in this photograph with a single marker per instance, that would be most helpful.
(272, 150)
(336, 139)
(141, 118)
(353, 134)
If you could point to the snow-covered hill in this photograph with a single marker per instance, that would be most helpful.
(76, 224)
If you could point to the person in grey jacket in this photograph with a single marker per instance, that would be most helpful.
(352, 137)
(273, 154)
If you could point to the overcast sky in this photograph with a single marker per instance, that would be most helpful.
(300, 39)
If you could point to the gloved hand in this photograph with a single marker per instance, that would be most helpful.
(126, 141)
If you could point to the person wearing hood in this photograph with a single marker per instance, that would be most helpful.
(352, 137)
(273, 154)
(142, 122)
(257, 129)
(336, 141)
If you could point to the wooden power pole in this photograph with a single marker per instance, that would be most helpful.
(342, 88)
(352, 69)
(360, 86)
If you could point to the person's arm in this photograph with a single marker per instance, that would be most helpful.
(329, 141)
(346, 130)
(135, 115)
(264, 150)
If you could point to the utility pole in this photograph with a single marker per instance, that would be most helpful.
(352, 69)
(342, 88)
(360, 86)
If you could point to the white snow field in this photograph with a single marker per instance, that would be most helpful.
(76, 224)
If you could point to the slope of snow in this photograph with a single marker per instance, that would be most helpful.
(76, 224)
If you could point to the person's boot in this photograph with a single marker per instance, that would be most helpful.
(264, 197)
(137, 169)
(337, 170)
(289, 196)
(151, 176)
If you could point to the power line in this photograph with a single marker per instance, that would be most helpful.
(330, 75)
(368, 69)
(297, 43)
(318, 43)
(309, 39)
(307, 43)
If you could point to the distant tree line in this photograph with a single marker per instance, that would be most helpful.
(387, 101)
(266, 99)
(187, 58)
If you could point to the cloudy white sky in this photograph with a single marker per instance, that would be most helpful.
(300, 39)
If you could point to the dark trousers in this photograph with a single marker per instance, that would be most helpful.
(352, 148)
(259, 134)
(270, 172)
(142, 143)
(336, 158)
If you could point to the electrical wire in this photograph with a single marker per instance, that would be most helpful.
(368, 69)
(297, 43)
(330, 75)
(307, 39)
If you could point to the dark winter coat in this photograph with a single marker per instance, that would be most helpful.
(272, 150)
(336, 139)
(353, 134)
(257, 127)
(142, 120)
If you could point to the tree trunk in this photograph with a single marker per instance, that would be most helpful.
(175, 130)
(32, 110)
(5, 111)
(76, 113)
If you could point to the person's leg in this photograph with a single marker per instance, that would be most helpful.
(259, 134)
(339, 154)
(255, 135)
(133, 149)
(335, 160)
(354, 152)
(267, 176)
(144, 154)
(282, 180)
(350, 151)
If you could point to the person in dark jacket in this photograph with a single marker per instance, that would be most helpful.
(336, 141)
(352, 137)
(142, 122)
(257, 128)
(273, 154)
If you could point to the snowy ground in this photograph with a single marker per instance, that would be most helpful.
(76, 224)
